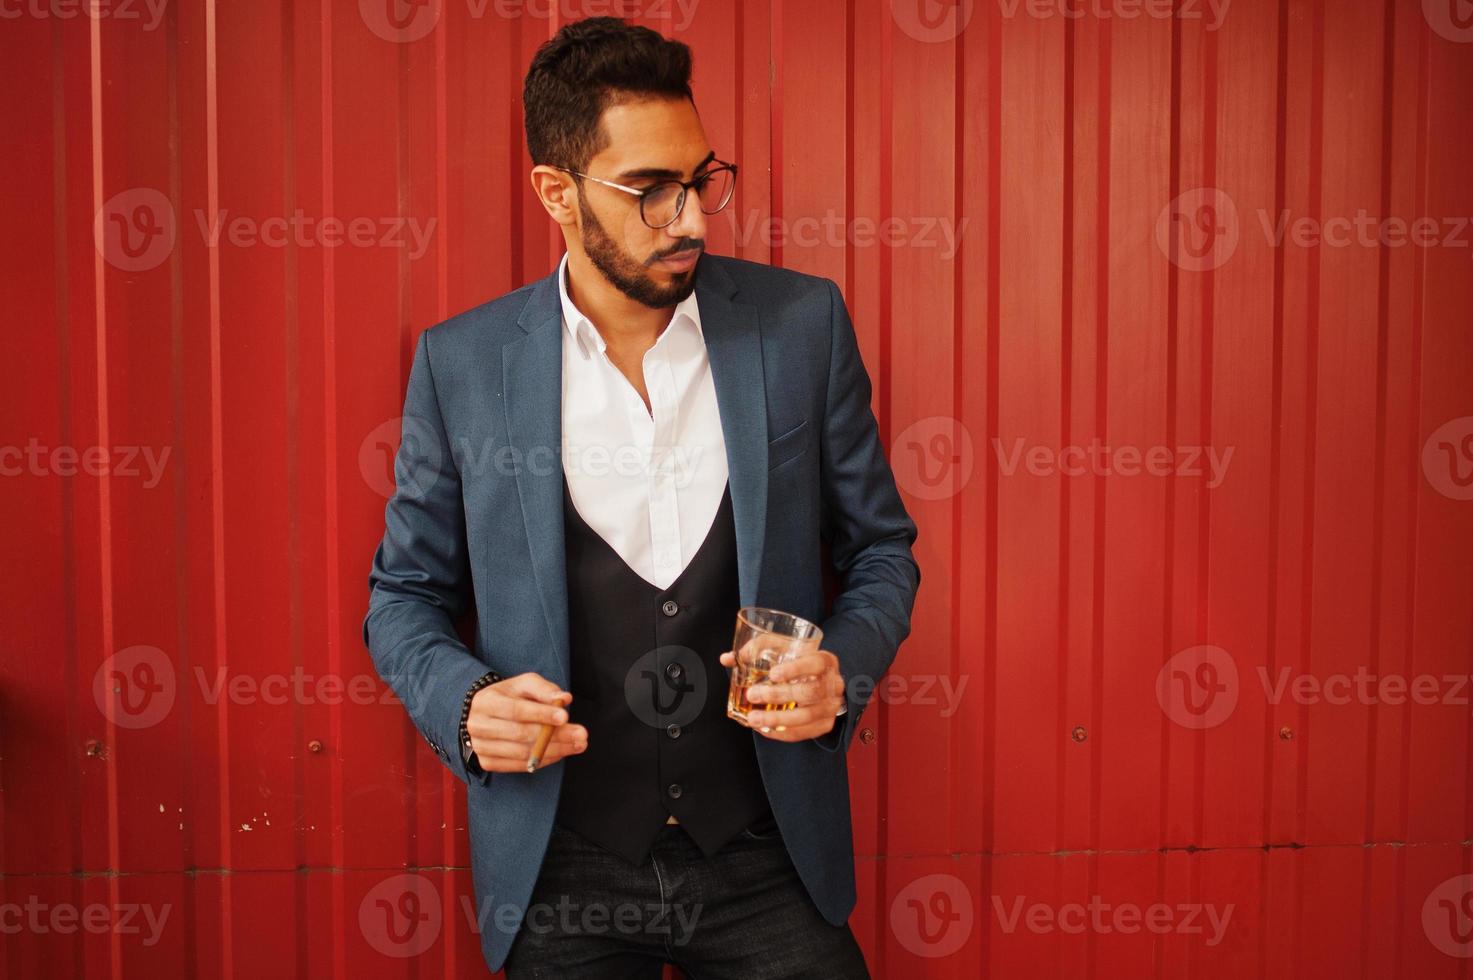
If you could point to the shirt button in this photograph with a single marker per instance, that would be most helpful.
(674, 790)
(673, 671)
(670, 608)
(672, 730)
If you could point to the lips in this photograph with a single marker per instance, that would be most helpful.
(682, 260)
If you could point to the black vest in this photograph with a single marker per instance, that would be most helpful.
(649, 687)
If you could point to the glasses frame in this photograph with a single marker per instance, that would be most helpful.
(685, 185)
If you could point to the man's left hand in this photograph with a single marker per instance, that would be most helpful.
(813, 684)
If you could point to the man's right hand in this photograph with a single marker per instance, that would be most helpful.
(505, 718)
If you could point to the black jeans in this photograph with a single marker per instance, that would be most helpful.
(742, 914)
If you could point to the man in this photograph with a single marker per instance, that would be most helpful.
(609, 463)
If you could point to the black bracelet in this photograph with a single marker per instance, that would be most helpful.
(467, 755)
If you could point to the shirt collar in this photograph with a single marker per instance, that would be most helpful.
(581, 329)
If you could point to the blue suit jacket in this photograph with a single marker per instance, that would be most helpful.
(477, 517)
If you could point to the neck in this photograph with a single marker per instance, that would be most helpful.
(621, 321)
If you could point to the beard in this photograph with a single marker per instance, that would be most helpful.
(627, 274)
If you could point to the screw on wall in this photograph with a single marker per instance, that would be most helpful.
(315, 745)
(95, 749)
(1079, 734)
(867, 736)
(1286, 733)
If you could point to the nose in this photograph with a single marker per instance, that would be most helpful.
(692, 220)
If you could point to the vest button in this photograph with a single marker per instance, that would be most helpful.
(672, 730)
(674, 790)
(674, 671)
(670, 608)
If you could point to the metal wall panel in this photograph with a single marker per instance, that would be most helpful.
(1088, 248)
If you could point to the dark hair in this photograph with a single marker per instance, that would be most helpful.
(586, 67)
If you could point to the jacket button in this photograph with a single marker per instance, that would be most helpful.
(674, 671)
(674, 790)
(670, 608)
(672, 730)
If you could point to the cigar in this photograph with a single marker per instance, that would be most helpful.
(544, 735)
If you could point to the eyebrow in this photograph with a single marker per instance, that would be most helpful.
(662, 173)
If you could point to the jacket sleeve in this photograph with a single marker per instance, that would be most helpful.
(420, 582)
(871, 533)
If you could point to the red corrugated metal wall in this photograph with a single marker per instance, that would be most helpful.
(1186, 422)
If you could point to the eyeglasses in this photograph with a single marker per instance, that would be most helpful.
(660, 204)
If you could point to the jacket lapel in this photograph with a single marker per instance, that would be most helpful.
(734, 346)
(532, 371)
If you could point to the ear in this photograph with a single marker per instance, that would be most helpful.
(558, 193)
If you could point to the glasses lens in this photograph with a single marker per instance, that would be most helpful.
(716, 189)
(660, 204)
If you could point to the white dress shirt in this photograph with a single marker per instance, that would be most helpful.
(648, 481)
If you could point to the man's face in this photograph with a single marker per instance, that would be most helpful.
(650, 141)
